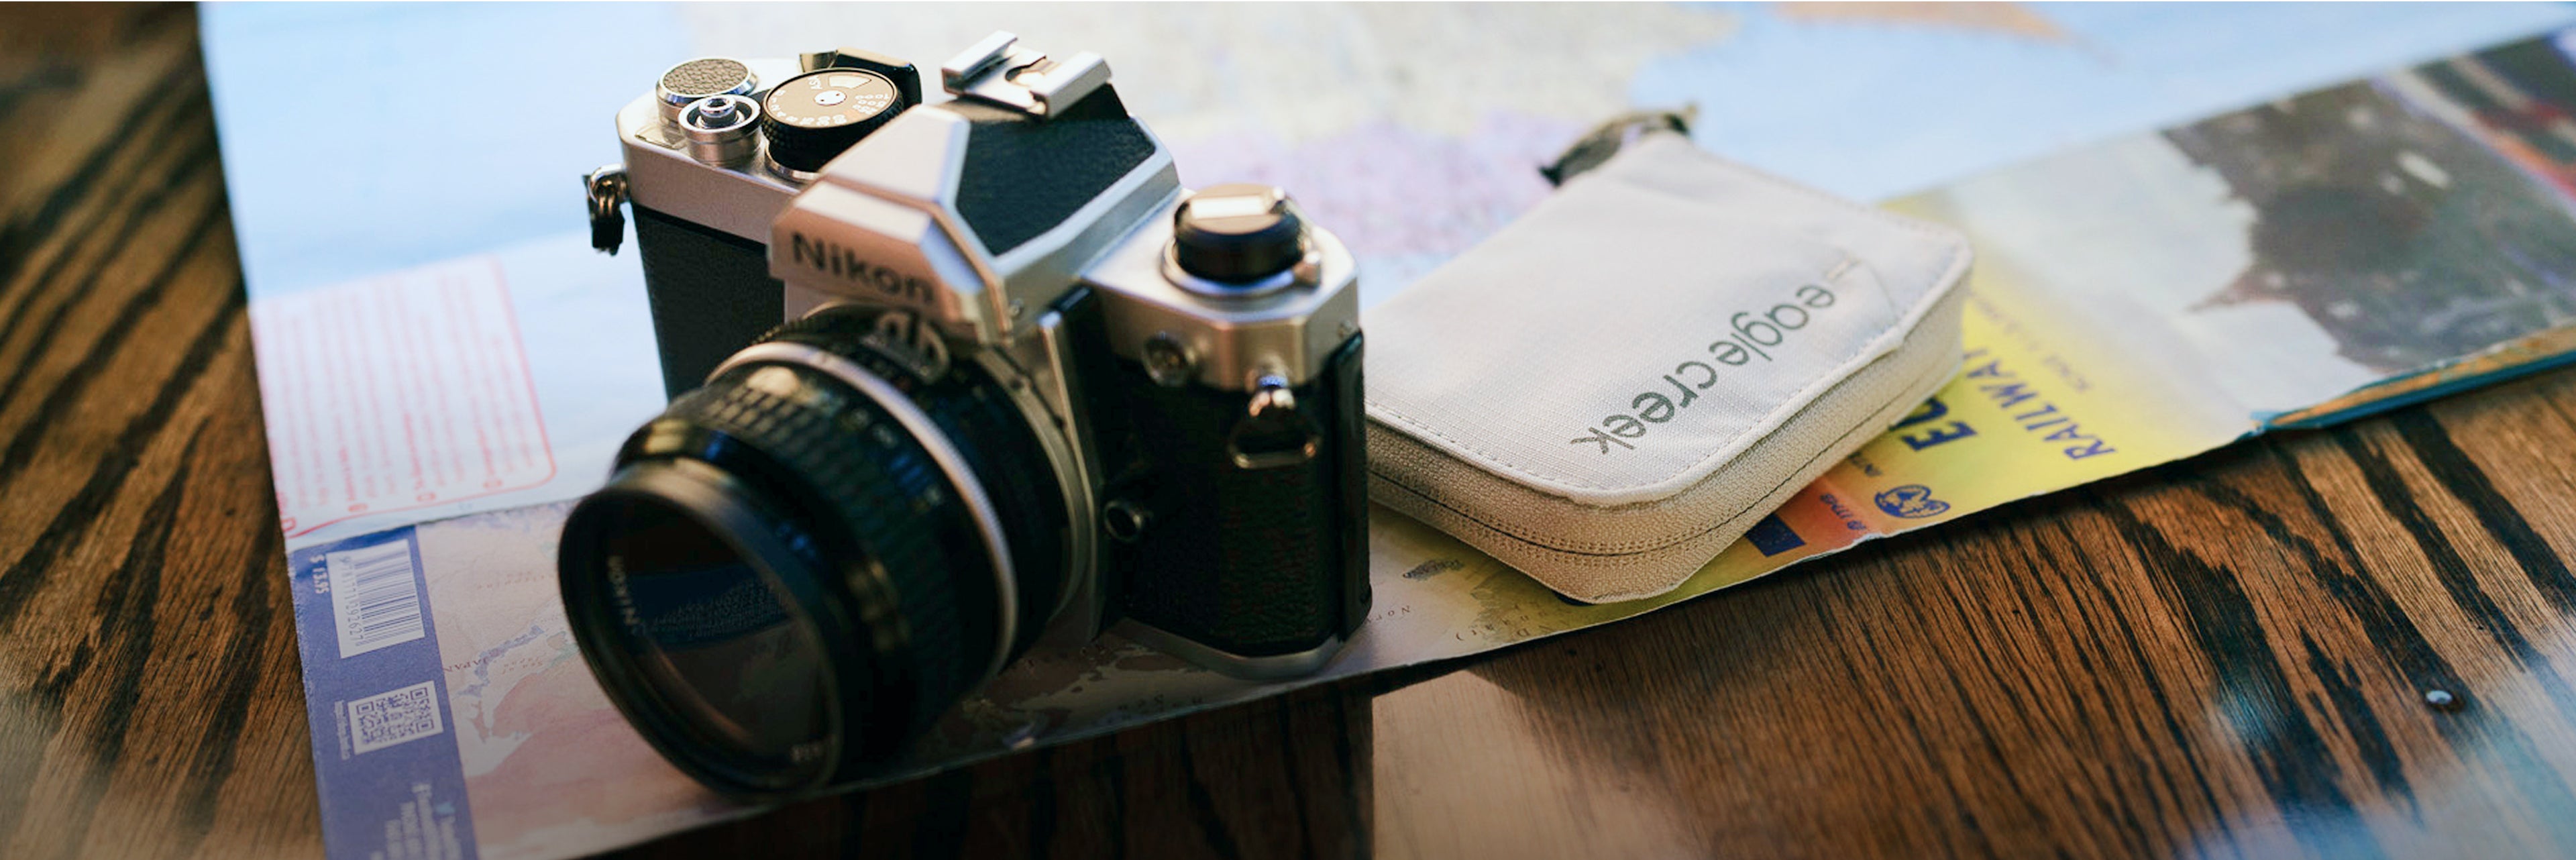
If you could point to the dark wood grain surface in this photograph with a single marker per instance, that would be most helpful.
(2230, 656)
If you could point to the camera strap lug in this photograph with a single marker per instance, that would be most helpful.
(1272, 432)
(605, 190)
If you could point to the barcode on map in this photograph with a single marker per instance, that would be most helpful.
(389, 718)
(374, 597)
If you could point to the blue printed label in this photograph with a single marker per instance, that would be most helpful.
(384, 749)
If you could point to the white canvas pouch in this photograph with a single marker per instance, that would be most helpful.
(1618, 385)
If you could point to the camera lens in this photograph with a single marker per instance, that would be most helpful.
(800, 566)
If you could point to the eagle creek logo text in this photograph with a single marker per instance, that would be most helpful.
(847, 265)
(1750, 337)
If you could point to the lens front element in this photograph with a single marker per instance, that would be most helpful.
(676, 582)
(717, 642)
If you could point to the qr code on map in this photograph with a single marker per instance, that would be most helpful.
(389, 718)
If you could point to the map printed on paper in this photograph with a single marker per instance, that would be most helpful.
(2135, 302)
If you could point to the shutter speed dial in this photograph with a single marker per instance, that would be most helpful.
(812, 117)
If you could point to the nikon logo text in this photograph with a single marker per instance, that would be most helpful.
(841, 262)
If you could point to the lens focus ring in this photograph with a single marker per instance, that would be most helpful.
(977, 414)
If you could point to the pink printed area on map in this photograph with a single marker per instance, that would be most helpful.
(402, 391)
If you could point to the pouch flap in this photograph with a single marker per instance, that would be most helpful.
(1644, 326)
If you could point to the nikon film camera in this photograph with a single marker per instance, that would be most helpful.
(1026, 386)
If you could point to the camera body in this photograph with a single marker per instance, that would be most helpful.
(1190, 365)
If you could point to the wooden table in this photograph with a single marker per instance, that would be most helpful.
(2228, 656)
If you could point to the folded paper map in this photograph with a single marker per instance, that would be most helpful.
(2135, 302)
